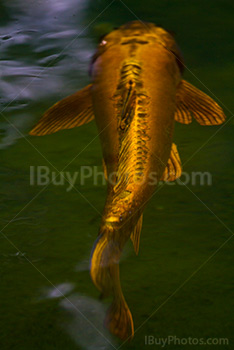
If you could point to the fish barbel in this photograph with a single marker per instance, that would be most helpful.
(137, 94)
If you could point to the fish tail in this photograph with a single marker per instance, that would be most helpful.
(104, 270)
(119, 319)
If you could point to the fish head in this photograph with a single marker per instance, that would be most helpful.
(138, 33)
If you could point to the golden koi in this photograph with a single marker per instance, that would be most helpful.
(137, 94)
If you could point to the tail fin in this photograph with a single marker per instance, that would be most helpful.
(104, 272)
(119, 319)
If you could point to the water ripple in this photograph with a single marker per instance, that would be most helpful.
(38, 61)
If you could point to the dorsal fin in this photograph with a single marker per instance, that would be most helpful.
(190, 101)
(173, 169)
(72, 111)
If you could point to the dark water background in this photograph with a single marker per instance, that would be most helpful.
(184, 271)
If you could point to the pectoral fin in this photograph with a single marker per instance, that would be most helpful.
(72, 111)
(135, 236)
(190, 101)
(173, 169)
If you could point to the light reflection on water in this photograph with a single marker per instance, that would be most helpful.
(86, 325)
(84, 317)
(48, 58)
(58, 291)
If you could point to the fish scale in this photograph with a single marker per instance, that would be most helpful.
(133, 151)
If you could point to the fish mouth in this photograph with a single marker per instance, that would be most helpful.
(135, 41)
(137, 25)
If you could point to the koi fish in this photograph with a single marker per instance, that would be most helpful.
(136, 95)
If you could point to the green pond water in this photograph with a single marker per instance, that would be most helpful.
(181, 283)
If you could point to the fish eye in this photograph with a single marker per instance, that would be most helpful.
(103, 43)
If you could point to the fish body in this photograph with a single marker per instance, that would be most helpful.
(137, 94)
(134, 87)
(133, 92)
(134, 61)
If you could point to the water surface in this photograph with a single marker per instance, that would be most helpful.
(183, 276)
